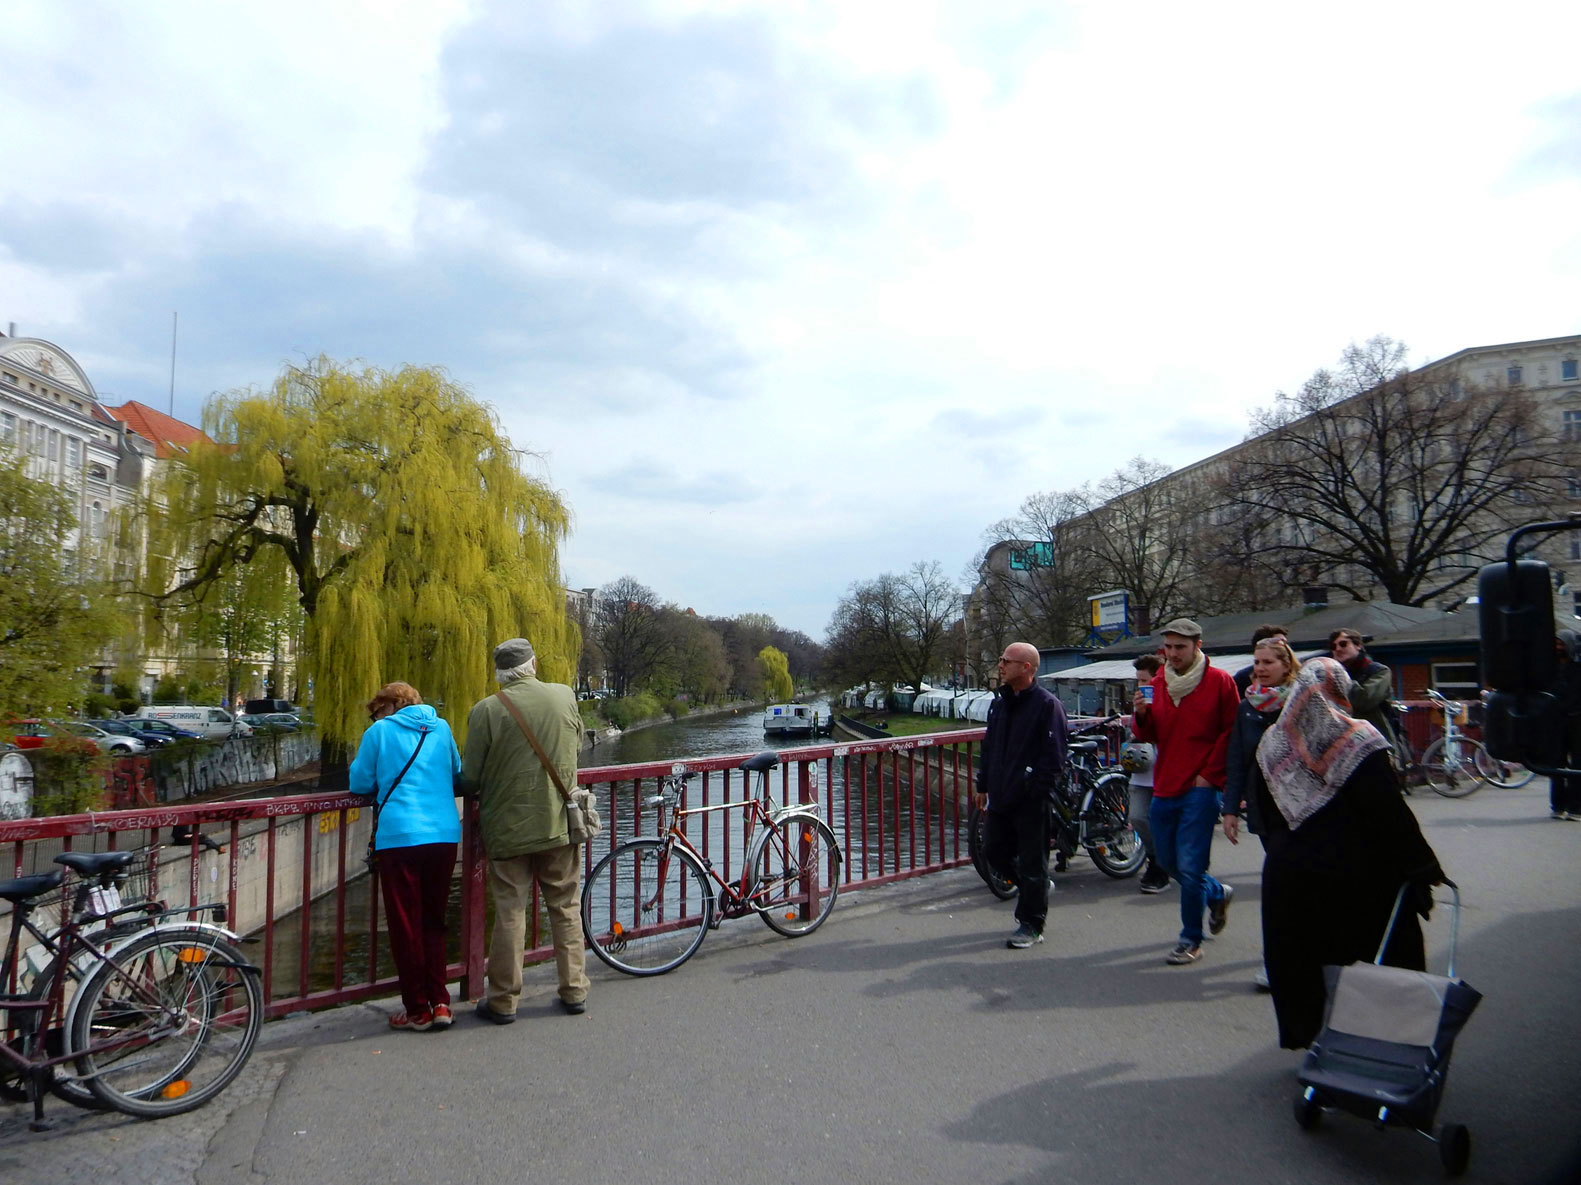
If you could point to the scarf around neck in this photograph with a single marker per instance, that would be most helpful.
(1314, 746)
(1267, 699)
(1180, 686)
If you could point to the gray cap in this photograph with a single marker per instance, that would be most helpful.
(1183, 626)
(511, 654)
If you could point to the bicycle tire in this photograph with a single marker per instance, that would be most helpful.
(976, 847)
(1506, 775)
(654, 908)
(1455, 778)
(792, 851)
(196, 1005)
(1107, 833)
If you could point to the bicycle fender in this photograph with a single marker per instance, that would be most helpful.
(208, 929)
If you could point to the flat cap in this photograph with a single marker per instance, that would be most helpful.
(512, 653)
(1183, 626)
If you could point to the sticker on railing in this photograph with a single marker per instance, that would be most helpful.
(842, 750)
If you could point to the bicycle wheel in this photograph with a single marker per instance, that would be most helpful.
(1452, 770)
(1506, 775)
(1106, 832)
(977, 846)
(797, 870)
(168, 1023)
(646, 907)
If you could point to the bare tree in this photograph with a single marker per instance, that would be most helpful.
(894, 629)
(1139, 534)
(631, 633)
(1374, 476)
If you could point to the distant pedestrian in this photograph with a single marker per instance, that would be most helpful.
(1189, 719)
(1564, 792)
(1022, 768)
(1243, 677)
(407, 761)
(1341, 842)
(1138, 759)
(525, 830)
(1274, 667)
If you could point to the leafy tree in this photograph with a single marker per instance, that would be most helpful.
(413, 536)
(629, 627)
(1377, 476)
(893, 629)
(696, 664)
(774, 675)
(56, 616)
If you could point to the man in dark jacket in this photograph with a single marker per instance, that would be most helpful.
(1022, 766)
(1372, 684)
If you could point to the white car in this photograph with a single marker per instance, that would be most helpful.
(108, 742)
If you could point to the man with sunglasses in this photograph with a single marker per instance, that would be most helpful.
(1023, 762)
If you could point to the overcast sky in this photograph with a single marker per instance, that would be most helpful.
(789, 294)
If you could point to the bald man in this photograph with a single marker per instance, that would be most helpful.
(1022, 767)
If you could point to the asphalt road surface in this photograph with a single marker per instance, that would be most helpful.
(904, 1042)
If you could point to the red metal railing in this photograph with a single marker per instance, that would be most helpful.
(897, 807)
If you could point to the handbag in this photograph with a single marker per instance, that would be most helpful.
(372, 857)
(581, 810)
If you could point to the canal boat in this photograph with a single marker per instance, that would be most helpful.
(790, 720)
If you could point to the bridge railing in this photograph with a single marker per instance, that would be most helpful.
(291, 872)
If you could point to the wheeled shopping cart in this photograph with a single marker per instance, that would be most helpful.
(1384, 1050)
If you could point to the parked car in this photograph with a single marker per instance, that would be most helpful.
(270, 721)
(159, 728)
(150, 740)
(108, 742)
(263, 707)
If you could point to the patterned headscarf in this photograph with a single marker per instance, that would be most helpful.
(1313, 747)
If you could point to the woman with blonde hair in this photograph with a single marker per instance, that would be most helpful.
(408, 762)
(1274, 668)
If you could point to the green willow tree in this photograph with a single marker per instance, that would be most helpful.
(774, 671)
(414, 538)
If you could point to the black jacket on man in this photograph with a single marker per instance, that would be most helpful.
(1024, 751)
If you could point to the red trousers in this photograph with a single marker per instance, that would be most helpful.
(416, 887)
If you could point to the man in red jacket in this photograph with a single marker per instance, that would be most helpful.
(1189, 721)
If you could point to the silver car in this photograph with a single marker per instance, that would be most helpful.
(108, 742)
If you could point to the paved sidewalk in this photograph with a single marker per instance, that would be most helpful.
(903, 1042)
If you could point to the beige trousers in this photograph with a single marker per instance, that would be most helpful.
(558, 873)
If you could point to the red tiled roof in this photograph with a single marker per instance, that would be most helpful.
(170, 435)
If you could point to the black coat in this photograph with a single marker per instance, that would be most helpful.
(1023, 754)
(1243, 777)
(1328, 888)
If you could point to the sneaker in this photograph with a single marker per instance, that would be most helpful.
(1260, 979)
(1183, 954)
(415, 1022)
(1154, 879)
(1219, 913)
(574, 1007)
(443, 1018)
(1024, 937)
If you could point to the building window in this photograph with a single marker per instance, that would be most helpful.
(1572, 424)
(1457, 680)
(1567, 369)
(1512, 375)
(7, 427)
(74, 455)
(1575, 547)
(1574, 486)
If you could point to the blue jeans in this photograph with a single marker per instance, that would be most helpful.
(1182, 839)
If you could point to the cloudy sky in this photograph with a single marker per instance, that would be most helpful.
(792, 293)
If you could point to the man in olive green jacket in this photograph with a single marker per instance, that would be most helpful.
(524, 826)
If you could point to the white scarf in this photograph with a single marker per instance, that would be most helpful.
(1180, 686)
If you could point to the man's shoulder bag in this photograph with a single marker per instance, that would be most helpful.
(581, 811)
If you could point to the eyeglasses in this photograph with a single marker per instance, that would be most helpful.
(1013, 662)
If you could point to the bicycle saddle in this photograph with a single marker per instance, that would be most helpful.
(1084, 746)
(25, 887)
(761, 763)
(95, 863)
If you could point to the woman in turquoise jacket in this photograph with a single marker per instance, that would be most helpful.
(418, 832)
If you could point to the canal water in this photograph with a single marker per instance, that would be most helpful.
(704, 736)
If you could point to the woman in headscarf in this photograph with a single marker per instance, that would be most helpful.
(1340, 842)
(1274, 667)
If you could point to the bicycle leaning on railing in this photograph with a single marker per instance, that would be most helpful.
(153, 1013)
(1092, 812)
(647, 905)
